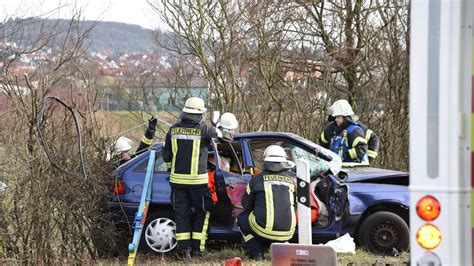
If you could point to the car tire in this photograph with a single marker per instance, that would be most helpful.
(383, 231)
(159, 233)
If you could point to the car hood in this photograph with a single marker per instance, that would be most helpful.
(376, 175)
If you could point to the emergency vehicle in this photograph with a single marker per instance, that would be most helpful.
(441, 132)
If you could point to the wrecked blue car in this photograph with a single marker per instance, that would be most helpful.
(368, 203)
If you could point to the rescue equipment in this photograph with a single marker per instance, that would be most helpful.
(142, 212)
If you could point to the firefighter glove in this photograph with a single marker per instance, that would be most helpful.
(152, 122)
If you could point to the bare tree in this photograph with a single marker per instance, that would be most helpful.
(278, 65)
(52, 215)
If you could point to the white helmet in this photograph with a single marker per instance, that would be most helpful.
(194, 105)
(228, 121)
(341, 108)
(123, 144)
(276, 154)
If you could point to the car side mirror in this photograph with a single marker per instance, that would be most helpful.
(342, 176)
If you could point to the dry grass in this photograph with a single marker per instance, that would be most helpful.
(219, 256)
(122, 123)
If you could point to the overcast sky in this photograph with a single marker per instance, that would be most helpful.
(127, 11)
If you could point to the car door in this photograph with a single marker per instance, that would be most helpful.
(135, 176)
(230, 183)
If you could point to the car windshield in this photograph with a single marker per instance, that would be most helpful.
(317, 165)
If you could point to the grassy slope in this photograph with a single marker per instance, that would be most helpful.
(122, 123)
(218, 257)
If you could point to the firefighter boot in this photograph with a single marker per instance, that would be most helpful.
(185, 253)
(255, 249)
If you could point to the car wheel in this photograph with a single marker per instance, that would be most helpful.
(383, 231)
(159, 233)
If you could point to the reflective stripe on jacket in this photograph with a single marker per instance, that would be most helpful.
(270, 198)
(186, 151)
(373, 142)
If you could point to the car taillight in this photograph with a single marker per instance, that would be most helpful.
(118, 188)
(428, 208)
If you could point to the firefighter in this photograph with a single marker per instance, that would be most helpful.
(268, 201)
(186, 154)
(228, 122)
(123, 145)
(373, 141)
(222, 210)
(344, 136)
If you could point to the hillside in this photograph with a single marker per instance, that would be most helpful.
(105, 36)
(119, 37)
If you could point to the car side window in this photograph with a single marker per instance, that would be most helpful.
(258, 148)
(160, 165)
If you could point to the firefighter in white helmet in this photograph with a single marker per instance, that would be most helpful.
(123, 145)
(373, 141)
(186, 153)
(228, 124)
(268, 201)
(222, 211)
(344, 136)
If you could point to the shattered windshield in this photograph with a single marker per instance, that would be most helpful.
(317, 165)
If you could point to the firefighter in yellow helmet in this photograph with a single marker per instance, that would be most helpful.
(186, 153)
(268, 201)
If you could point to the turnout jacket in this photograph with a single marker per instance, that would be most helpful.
(347, 140)
(186, 150)
(373, 141)
(269, 197)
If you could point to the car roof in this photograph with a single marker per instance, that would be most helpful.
(354, 173)
(264, 134)
(284, 135)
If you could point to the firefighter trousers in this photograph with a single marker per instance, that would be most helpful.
(255, 243)
(192, 206)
